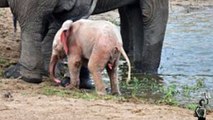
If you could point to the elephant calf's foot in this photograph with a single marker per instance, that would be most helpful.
(116, 93)
(101, 93)
(17, 71)
(144, 68)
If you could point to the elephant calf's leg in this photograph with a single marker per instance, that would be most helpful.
(113, 75)
(96, 65)
(74, 64)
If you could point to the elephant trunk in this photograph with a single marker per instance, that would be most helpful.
(53, 62)
(92, 8)
(107, 5)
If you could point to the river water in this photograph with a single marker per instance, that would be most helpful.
(187, 55)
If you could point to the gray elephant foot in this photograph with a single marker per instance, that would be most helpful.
(85, 80)
(17, 71)
(86, 83)
(31, 80)
(62, 71)
(139, 67)
(147, 71)
(12, 71)
(65, 82)
(30, 76)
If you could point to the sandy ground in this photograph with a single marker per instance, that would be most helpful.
(23, 101)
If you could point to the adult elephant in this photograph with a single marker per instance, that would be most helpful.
(143, 24)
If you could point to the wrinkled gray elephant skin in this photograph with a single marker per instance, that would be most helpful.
(143, 24)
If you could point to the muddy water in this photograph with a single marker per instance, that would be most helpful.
(187, 55)
(187, 58)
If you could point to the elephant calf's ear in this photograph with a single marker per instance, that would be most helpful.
(64, 41)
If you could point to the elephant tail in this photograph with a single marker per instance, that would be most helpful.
(15, 23)
(122, 51)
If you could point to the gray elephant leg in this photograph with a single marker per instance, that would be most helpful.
(155, 16)
(32, 19)
(131, 30)
(125, 25)
(145, 26)
(47, 45)
(30, 62)
(31, 58)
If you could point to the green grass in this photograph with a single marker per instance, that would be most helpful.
(1, 73)
(169, 94)
(191, 106)
(140, 86)
(78, 94)
(187, 90)
(3, 63)
(54, 91)
(141, 89)
(146, 88)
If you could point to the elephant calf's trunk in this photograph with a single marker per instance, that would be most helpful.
(53, 61)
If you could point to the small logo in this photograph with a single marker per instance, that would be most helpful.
(200, 111)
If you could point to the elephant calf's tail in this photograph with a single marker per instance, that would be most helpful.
(128, 63)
